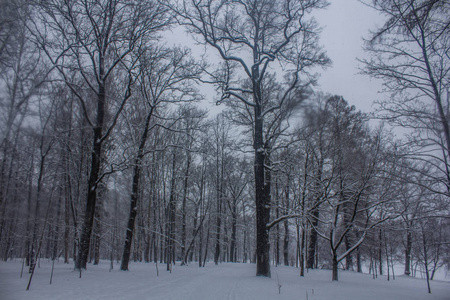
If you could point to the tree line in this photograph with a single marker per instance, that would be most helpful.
(107, 153)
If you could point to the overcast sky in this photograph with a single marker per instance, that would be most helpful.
(345, 23)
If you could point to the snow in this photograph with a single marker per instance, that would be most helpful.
(224, 281)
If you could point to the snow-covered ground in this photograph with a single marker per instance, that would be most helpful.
(225, 281)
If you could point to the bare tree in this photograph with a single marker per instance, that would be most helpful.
(347, 192)
(22, 74)
(167, 76)
(410, 53)
(99, 43)
(249, 36)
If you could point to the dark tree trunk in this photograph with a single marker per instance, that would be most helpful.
(233, 251)
(312, 239)
(335, 267)
(34, 240)
(312, 245)
(183, 209)
(286, 243)
(56, 233)
(302, 253)
(425, 259)
(218, 229)
(348, 258)
(88, 221)
(206, 245)
(12, 225)
(131, 218)
(97, 227)
(286, 227)
(28, 229)
(380, 251)
(358, 261)
(194, 231)
(94, 175)
(170, 249)
(200, 247)
(135, 194)
(244, 244)
(219, 182)
(262, 193)
(66, 222)
(408, 253)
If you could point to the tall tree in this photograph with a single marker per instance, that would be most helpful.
(167, 76)
(249, 36)
(99, 43)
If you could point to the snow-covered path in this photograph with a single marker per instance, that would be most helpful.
(225, 281)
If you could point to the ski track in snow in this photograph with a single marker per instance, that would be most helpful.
(225, 281)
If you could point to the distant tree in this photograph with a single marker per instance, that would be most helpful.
(351, 199)
(22, 75)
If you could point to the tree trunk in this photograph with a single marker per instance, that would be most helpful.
(312, 239)
(66, 222)
(335, 267)
(94, 176)
(28, 229)
(262, 192)
(34, 240)
(358, 261)
(56, 233)
(312, 245)
(425, 259)
(170, 249)
(302, 252)
(380, 251)
(219, 183)
(183, 209)
(408, 253)
(286, 228)
(98, 227)
(348, 258)
(135, 193)
(286, 243)
(233, 251)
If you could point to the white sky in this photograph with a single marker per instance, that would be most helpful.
(345, 23)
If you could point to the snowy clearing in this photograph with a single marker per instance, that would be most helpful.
(225, 281)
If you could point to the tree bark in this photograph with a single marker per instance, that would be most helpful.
(183, 208)
(94, 176)
(262, 191)
(335, 268)
(170, 249)
(135, 194)
(408, 253)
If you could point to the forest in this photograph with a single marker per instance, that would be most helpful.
(116, 145)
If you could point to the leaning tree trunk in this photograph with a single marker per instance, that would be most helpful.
(134, 194)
